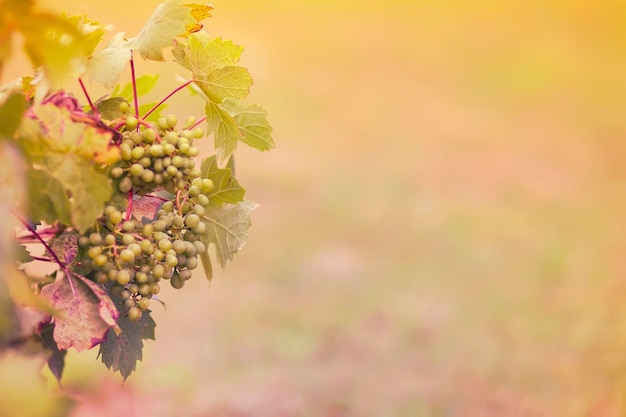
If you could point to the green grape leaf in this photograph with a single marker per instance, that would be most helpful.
(87, 312)
(226, 187)
(92, 31)
(144, 84)
(170, 20)
(226, 131)
(21, 254)
(121, 351)
(252, 122)
(107, 65)
(202, 55)
(11, 112)
(109, 108)
(206, 265)
(47, 198)
(154, 116)
(227, 227)
(56, 358)
(227, 82)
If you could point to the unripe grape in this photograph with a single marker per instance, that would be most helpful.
(109, 239)
(207, 185)
(144, 289)
(200, 246)
(123, 276)
(133, 288)
(128, 226)
(136, 137)
(168, 206)
(143, 303)
(185, 274)
(131, 123)
(177, 282)
(101, 277)
(192, 220)
(193, 152)
(149, 135)
(155, 288)
(162, 123)
(124, 107)
(125, 295)
(190, 121)
(192, 262)
(127, 239)
(127, 256)
(179, 247)
(186, 133)
(134, 314)
(141, 278)
(145, 162)
(100, 260)
(165, 245)
(116, 172)
(115, 217)
(135, 249)
(129, 303)
(146, 246)
(125, 185)
(137, 153)
(171, 260)
(147, 176)
(199, 210)
(171, 121)
(95, 239)
(198, 133)
(157, 165)
(178, 222)
(183, 147)
(169, 149)
(83, 242)
(203, 200)
(200, 229)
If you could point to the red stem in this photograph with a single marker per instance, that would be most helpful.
(167, 98)
(132, 74)
(202, 120)
(43, 242)
(82, 85)
(129, 209)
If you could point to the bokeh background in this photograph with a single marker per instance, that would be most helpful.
(441, 229)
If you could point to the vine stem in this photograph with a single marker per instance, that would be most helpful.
(166, 98)
(82, 85)
(43, 242)
(129, 209)
(134, 80)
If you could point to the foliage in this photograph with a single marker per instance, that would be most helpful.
(110, 192)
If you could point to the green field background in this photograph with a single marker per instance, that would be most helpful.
(441, 229)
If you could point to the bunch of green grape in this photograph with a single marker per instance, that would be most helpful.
(132, 256)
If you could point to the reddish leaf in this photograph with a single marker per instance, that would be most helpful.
(146, 206)
(87, 312)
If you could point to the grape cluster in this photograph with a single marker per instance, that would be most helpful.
(156, 156)
(131, 256)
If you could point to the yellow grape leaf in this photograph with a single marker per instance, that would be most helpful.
(107, 65)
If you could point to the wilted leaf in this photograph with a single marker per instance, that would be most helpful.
(120, 352)
(65, 246)
(87, 312)
(227, 228)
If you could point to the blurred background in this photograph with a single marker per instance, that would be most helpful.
(440, 230)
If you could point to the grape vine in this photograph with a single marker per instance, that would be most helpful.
(111, 192)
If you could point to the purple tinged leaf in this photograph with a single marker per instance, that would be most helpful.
(146, 206)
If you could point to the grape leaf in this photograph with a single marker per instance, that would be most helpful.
(11, 112)
(169, 21)
(109, 108)
(65, 246)
(202, 55)
(227, 227)
(92, 31)
(56, 358)
(87, 312)
(226, 187)
(225, 129)
(206, 265)
(252, 122)
(51, 42)
(144, 85)
(107, 65)
(47, 199)
(146, 206)
(121, 351)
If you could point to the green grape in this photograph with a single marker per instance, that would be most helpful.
(147, 230)
(128, 226)
(159, 255)
(136, 138)
(156, 150)
(145, 162)
(179, 246)
(200, 246)
(134, 314)
(141, 277)
(193, 152)
(133, 288)
(131, 123)
(158, 271)
(192, 220)
(144, 289)
(203, 200)
(190, 121)
(146, 247)
(182, 260)
(116, 172)
(172, 170)
(109, 239)
(155, 288)
(83, 242)
(169, 149)
(194, 191)
(100, 260)
(95, 239)
(200, 229)
(127, 239)
(124, 107)
(178, 222)
(198, 133)
(143, 303)
(171, 138)
(125, 185)
(157, 165)
(123, 276)
(183, 147)
(165, 245)
(190, 248)
(101, 277)
(168, 206)
(185, 274)
(207, 185)
(137, 153)
(127, 256)
(129, 303)
(125, 295)
(186, 133)
(171, 121)
(171, 260)
(135, 249)
(162, 123)
(115, 217)
(149, 135)
(147, 176)
(199, 210)
(158, 179)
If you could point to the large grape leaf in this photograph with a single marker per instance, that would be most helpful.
(107, 65)
(87, 312)
(11, 112)
(52, 42)
(169, 21)
(252, 122)
(121, 351)
(226, 187)
(227, 228)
